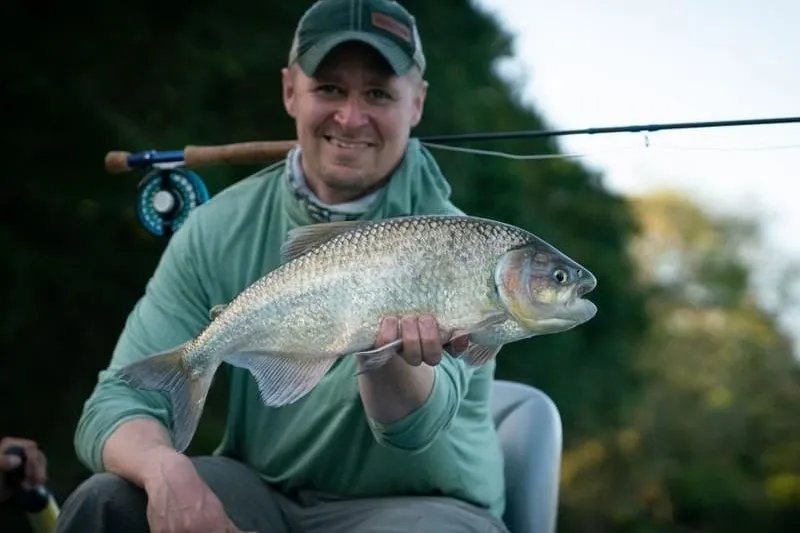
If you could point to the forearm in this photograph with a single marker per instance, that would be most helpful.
(395, 390)
(173, 309)
(425, 404)
(134, 447)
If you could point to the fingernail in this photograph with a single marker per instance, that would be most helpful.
(14, 461)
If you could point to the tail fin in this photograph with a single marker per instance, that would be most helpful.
(167, 371)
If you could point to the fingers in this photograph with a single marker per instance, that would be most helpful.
(388, 331)
(421, 340)
(409, 333)
(35, 463)
(429, 339)
(9, 462)
(36, 468)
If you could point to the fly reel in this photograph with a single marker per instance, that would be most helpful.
(166, 196)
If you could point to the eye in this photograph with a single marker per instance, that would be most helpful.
(560, 276)
(379, 94)
(328, 89)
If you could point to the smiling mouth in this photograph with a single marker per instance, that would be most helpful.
(348, 145)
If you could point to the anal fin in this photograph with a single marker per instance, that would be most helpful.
(282, 379)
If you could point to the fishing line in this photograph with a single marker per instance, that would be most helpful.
(648, 146)
(521, 157)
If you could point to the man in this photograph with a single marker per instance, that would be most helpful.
(410, 447)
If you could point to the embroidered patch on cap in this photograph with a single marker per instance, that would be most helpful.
(387, 23)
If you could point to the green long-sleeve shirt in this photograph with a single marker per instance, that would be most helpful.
(324, 442)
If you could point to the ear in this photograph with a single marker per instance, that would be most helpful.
(288, 90)
(420, 92)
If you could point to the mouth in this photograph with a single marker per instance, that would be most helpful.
(569, 316)
(348, 145)
(582, 308)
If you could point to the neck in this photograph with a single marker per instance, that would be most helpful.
(325, 203)
(334, 196)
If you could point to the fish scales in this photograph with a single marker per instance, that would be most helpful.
(329, 301)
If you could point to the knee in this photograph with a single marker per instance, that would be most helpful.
(104, 502)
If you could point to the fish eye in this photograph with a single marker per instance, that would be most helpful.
(560, 276)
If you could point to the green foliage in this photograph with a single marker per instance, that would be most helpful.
(712, 443)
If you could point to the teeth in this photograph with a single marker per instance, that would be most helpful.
(347, 145)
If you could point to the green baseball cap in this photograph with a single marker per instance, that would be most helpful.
(383, 24)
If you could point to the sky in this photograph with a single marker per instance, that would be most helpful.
(590, 63)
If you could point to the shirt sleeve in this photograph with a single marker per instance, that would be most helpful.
(419, 429)
(173, 308)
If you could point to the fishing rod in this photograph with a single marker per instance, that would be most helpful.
(171, 189)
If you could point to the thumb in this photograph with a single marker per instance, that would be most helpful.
(9, 462)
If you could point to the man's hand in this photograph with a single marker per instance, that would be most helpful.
(35, 465)
(178, 498)
(423, 341)
(179, 501)
(403, 383)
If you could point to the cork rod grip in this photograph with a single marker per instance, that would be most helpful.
(238, 153)
(117, 162)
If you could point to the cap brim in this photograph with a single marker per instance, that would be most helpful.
(397, 59)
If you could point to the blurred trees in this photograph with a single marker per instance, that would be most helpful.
(714, 442)
(677, 398)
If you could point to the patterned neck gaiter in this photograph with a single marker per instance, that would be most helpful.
(316, 208)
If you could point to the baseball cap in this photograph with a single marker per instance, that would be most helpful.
(383, 24)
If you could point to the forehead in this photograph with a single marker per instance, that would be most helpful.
(355, 58)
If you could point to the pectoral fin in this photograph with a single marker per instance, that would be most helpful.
(372, 359)
(479, 355)
(215, 311)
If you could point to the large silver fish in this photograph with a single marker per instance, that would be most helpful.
(496, 282)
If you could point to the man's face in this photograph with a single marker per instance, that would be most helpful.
(353, 120)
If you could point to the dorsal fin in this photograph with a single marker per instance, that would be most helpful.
(305, 238)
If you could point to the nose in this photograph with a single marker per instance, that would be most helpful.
(351, 114)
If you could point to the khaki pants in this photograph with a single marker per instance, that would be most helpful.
(108, 503)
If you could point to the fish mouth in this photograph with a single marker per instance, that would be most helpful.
(579, 308)
(558, 317)
(582, 310)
